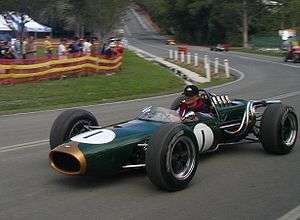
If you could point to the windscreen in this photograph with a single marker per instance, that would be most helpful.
(159, 114)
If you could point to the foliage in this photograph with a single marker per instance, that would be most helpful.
(216, 21)
(96, 17)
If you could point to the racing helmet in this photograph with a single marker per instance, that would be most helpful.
(191, 90)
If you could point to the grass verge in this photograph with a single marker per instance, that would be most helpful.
(137, 78)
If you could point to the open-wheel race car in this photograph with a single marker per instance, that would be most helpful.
(293, 55)
(220, 47)
(166, 144)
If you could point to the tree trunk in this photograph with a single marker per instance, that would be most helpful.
(245, 25)
(77, 27)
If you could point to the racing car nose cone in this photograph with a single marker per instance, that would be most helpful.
(68, 159)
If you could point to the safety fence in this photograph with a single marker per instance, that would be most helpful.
(19, 70)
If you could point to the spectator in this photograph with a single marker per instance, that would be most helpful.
(16, 48)
(94, 47)
(62, 50)
(30, 48)
(74, 46)
(48, 47)
(25, 42)
(86, 49)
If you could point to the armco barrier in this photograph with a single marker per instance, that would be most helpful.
(19, 71)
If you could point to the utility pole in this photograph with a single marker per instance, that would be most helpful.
(22, 25)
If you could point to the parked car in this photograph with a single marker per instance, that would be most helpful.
(171, 42)
(220, 47)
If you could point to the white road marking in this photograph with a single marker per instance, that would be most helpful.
(256, 59)
(292, 215)
(287, 95)
(23, 145)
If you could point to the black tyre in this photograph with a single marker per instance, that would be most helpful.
(279, 128)
(172, 157)
(70, 123)
(176, 103)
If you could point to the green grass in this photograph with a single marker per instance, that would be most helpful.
(260, 52)
(137, 78)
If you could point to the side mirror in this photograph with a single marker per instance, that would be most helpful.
(189, 115)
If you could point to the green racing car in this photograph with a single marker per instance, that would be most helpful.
(164, 143)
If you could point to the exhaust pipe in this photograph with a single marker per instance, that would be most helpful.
(68, 159)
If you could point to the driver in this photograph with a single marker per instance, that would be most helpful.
(192, 101)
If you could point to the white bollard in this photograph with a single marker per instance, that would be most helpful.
(176, 55)
(216, 66)
(182, 57)
(205, 61)
(171, 54)
(189, 58)
(196, 60)
(208, 73)
(226, 65)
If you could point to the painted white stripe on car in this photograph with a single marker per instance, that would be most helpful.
(99, 136)
(204, 135)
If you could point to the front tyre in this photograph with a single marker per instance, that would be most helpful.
(279, 129)
(172, 157)
(69, 124)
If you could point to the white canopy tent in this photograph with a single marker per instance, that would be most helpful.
(30, 25)
(3, 24)
(15, 22)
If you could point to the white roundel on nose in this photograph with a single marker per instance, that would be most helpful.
(204, 135)
(99, 136)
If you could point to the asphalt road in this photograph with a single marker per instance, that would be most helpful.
(239, 182)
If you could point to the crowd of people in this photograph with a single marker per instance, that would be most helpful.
(14, 49)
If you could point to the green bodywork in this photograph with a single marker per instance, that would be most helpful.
(113, 155)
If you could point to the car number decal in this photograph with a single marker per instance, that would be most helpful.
(204, 135)
(99, 136)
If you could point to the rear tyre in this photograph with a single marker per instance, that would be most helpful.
(279, 128)
(69, 124)
(172, 157)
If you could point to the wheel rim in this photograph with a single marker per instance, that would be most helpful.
(79, 127)
(181, 158)
(289, 130)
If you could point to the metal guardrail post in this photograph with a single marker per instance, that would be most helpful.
(176, 55)
(226, 64)
(171, 54)
(205, 61)
(207, 70)
(189, 58)
(182, 57)
(196, 60)
(216, 66)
